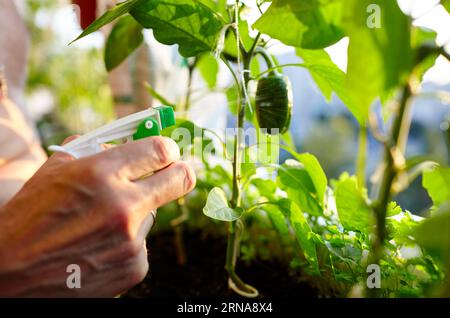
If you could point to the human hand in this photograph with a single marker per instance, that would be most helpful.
(94, 212)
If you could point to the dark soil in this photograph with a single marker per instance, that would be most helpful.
(204, 276)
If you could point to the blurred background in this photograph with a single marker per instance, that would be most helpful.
(69, 91)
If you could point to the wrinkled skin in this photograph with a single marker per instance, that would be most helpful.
(94, 212)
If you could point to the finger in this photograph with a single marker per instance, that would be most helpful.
(69, 139)
(137, 159)
(167, 185)
(146, 226)
(61, 157)
(107, 146)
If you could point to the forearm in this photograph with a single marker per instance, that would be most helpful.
(20, 151)
(14, 173)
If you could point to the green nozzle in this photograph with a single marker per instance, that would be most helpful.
(167, 116)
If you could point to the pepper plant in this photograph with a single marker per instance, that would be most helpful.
(335, 228)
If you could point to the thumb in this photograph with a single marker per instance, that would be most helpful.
(69, 139)
(61, 157)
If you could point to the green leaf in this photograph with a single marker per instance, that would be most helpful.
(309, 24)
(329, 78)
(434, 233)
(354, 212)
(248, 170)
(246, 39)
(401, 227)
(446, 4)
(110, 16)
(190, 24)
(208, 67)
(420, 36)
(232, 97)
(125, 37)
(437, 183)
(424, 42)
(190, 127)
(379, 59)
(278, 219)
(217, 207)
(266, 188)
(321, 58)
(219, 6)
(393, 209)
(316, 173)
(302, 231)
(255, 67)
(299, 186)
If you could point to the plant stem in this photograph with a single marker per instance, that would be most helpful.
(259, 205)
(362, 157)
(394, 147)
(255, 43)
(233, 73)
(267, 58)
(235, 228)
(271, 69)
(191, 69)
(444, 53)
(238, 143)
